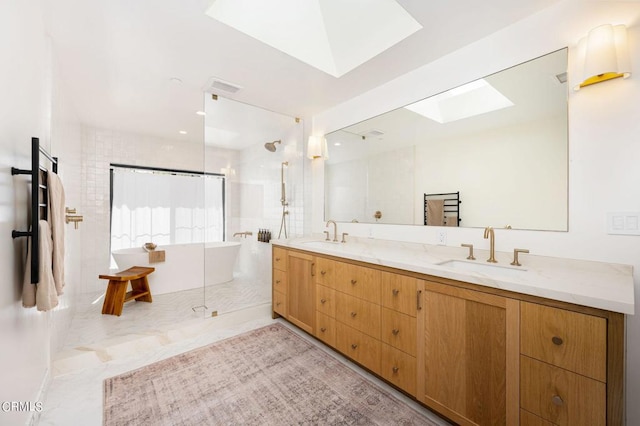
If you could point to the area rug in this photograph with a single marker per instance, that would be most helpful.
(268, 376)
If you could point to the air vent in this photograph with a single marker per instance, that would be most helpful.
(216, 85)
(562, 78)
(373, 133)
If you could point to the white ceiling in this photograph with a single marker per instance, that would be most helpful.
(117, 58)
(334, 36)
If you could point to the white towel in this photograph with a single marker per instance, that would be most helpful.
(44, 295)
(56, 221)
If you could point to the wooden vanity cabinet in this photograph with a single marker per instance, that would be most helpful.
(476, 355)
(301, 306)
(468, 347)
(294, 287)
(279, 282)
(567, 365)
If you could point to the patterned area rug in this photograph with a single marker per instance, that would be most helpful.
(268, 376)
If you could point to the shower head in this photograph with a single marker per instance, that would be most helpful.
(271, 146)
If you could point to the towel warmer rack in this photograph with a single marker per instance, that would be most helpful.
(37, 202)
(451, 204)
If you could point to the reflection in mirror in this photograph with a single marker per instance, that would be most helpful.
(500, 141)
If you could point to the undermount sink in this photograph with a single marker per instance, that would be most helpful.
(483, 268)
(322, 244)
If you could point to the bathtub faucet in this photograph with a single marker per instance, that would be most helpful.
(243, 234)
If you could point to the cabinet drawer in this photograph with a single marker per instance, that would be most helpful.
(528, 419)
(326, 329)
(560, 396)
(399, 293)
(358, 281)
(358, 346)
(280, 303)
(280, 281)
(279, 258)
(398, 368)
(399, 331)
(570, 340)
(326, 272)
(359, 314)
(326, 300)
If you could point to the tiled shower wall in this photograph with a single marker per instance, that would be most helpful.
(100, 147)
(253, 193)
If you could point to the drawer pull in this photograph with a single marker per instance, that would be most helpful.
(556, 340)
(395, 369)
(323, 329)
(277, 259)
(354, 346)
(323, 272)
(277, 303)
(557, 400)
(395, 331)
(353, 314)
(323, 301)
(395, 291)
(277, 281)
(354, 281)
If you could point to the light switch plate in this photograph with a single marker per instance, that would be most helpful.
(623, 223)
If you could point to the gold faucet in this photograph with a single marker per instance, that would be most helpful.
(335, 229)
(488, 233)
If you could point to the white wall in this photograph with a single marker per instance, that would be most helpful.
(603, 146)
(514, 175)
(382, 182)
(33, 104)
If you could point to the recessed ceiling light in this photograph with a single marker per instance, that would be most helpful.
(201, 113)
(337, 144)
(175, 80)
(183, 132)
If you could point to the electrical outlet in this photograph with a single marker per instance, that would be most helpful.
(442, 238)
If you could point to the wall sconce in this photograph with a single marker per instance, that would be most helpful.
(317, 147)
(228, 171)
(602, 55)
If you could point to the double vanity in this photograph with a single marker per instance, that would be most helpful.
(478, 342)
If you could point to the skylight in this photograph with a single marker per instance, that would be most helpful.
(468, 100)
(334, 36)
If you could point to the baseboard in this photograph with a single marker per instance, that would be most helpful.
(34, 416)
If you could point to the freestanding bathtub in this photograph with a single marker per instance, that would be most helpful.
(186, 266)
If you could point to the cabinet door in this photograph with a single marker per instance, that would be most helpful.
(301, 290)
(468, 354)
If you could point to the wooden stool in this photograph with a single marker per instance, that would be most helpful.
(117, 293)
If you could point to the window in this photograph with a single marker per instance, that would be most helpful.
(165, 207)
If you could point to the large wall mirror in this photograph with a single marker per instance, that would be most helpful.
(499, 143)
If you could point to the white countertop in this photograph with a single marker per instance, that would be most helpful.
(607, 286)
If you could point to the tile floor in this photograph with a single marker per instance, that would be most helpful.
(101, 346)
